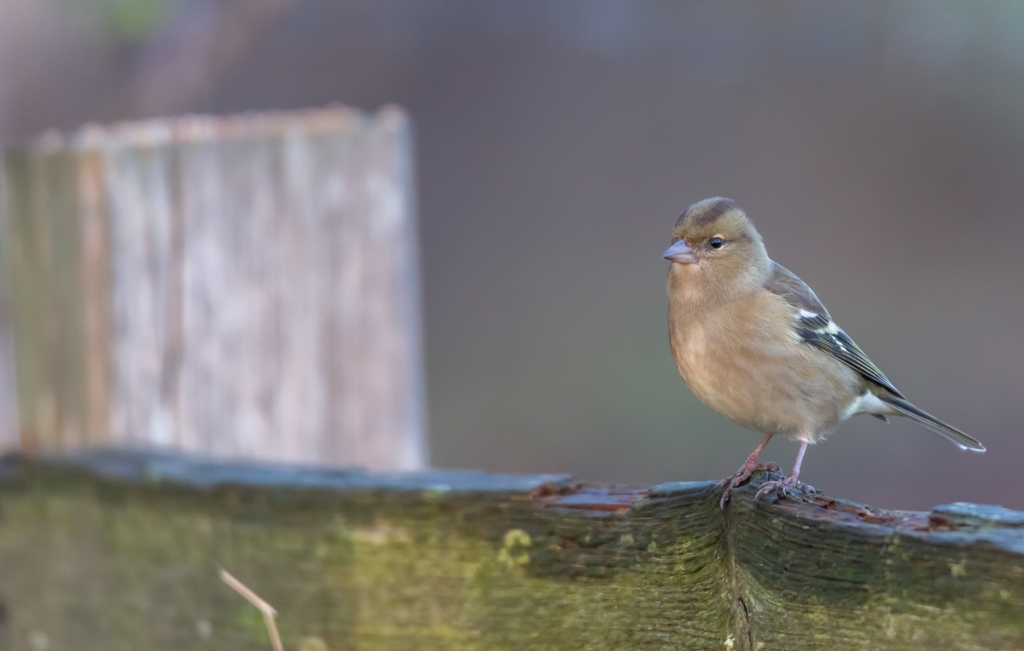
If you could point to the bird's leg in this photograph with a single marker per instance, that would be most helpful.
(790, 482)
(743, 473)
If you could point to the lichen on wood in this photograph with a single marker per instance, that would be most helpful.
(121, 550)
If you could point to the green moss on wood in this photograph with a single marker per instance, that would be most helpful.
(97, 562)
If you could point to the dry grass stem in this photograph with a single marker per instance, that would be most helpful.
(268, 611)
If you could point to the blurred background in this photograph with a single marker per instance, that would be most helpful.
(878, 146)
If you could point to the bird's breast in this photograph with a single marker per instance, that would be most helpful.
(692, 350)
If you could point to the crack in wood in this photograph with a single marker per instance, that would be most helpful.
(743, 633)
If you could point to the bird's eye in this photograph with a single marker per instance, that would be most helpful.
(716, 242)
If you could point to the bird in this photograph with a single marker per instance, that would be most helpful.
(753, 342)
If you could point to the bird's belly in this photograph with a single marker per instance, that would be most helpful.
(764, 385)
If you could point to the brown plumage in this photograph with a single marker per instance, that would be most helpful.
(753, 342)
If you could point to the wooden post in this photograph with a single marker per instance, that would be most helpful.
(241, 287)
(8, 400)
(123, 551)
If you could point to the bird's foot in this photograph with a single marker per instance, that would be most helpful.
(783, 487)
(740, 477)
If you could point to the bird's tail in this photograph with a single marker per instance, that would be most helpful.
(963, 441)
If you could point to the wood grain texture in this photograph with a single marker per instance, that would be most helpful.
(121, 551)
(242, 287)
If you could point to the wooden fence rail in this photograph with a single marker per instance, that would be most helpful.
(121, 550)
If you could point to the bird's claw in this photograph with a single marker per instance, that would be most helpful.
(783, 487)
(741, 475)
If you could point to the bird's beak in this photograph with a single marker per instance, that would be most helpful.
(681, 252)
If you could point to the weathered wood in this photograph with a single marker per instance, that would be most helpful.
(242, 286)
(121, 551)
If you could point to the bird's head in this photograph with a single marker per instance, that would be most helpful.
(715, 245)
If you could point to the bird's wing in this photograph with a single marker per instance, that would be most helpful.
(815, 326)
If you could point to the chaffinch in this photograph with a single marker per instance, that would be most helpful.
(754, 343)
